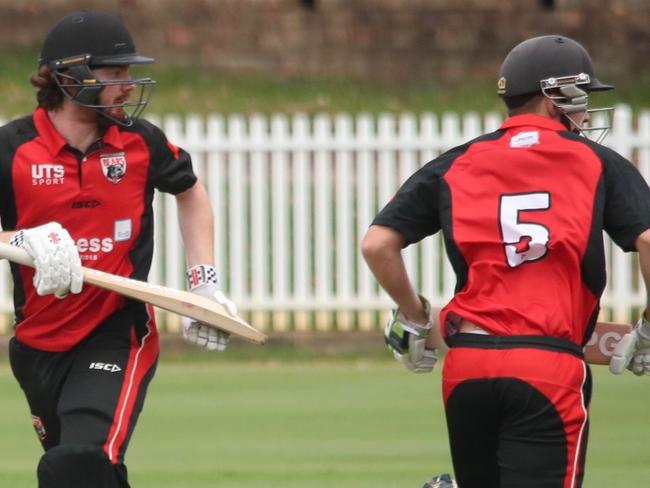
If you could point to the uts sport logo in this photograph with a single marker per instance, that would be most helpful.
(113, 166)
(47, 174)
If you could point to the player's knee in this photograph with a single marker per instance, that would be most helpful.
(76, 466)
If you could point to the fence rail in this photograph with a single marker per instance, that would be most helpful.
(294, 195)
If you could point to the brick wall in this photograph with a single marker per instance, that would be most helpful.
(399, 40)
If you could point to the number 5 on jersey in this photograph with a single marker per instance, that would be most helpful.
(523, 241)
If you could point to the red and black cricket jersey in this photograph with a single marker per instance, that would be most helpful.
(103, 198)
(522, 212)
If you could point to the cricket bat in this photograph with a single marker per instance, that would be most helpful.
(181, 302)
(598, 350)
(606, 336)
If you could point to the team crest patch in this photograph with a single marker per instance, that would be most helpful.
(39, 427)
(113, 166)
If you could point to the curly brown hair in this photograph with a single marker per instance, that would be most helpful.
(49, 95)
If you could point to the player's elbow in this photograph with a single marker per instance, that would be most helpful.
(369, 247)
(380, 241)
(642, 242)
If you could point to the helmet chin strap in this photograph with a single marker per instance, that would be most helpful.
(571, 124)
(105, 119)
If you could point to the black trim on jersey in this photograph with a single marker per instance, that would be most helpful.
(12, 136)
(621, 207)
(454, 254)
(547, 343)
(591, 325)
(626, 212)
(422, 206)
(593, 266)
(166, 173)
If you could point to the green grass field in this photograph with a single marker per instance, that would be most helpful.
(314, 424)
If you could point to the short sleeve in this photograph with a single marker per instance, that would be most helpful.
(413, 211)
(627, 201)
(171, 166)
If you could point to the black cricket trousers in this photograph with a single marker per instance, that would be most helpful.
(91, 396)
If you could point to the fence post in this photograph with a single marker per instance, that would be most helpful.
(365, 198)
(345, 245)
(260, 215)
(323, 211)
(280, 189)
(301, 210)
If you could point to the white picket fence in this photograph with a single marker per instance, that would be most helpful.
(294, 195)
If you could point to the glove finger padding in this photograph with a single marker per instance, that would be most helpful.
(422, 358)
(633, 351)
(218, 340)
(640, 363)
(407, 340)
(204, 336)
(56, 259)
(190, 330)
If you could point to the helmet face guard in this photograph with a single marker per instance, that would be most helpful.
(561, 69)
(78, 83)
(86, 40)
(569, 94)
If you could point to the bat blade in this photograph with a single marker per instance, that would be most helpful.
(601, 345)
(178, 301)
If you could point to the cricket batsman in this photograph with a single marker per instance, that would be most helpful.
(522, 211)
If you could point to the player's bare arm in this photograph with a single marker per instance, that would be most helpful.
(633, 351)
(196, 223)
(643, 248)
(381, 248)
(411, 323)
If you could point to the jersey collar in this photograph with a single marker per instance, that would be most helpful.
(113, 137)
(55, 142)
(534, 120)
(48, 133)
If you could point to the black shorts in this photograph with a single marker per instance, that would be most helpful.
(93, 393)
(517, 411)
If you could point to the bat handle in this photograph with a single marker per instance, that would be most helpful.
(15, 254)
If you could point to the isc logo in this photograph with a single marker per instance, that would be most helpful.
(111, 368)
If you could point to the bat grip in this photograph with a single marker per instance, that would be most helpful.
(15, 254)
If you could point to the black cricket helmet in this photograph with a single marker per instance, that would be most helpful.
(559, 68)
(544, 57)
(86, 40)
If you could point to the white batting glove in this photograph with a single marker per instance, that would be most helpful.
(203, 282)
(633, 350)
(56, 259)
(408, 340)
